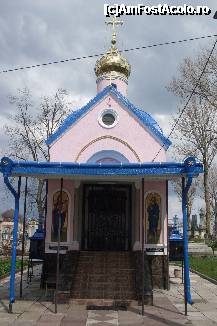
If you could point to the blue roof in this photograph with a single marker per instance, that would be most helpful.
(175, 236)
(143, 117)
(38, 235)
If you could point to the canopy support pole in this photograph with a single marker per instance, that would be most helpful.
(23, 238)
(14, 244)
(187, 293)
(60, 204)
(45, 227)
(142, 249)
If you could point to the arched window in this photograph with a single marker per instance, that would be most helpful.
(59, 212)
(153, 217)
(108, 156)
(107, 160)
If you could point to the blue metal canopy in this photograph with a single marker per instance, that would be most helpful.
(164, 169)
(189, 169)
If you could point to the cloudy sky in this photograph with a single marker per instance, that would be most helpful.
(41, 31)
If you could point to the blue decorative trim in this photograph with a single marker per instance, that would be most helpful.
(143, 117)
(103, 169)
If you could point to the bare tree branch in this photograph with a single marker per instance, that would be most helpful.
(28, 133)
(196, 132)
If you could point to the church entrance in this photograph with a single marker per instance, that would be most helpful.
(107, 217)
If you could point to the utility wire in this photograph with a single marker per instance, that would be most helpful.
(189, 98)
(100, 54)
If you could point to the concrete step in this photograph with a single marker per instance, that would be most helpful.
(199, 248)
(104, 275)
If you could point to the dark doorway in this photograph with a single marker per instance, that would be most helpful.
(107, 217)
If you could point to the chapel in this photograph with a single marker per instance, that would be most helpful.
(101, 218)
(104, 240)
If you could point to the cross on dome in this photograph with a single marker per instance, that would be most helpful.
(114, 23)
(113, 65)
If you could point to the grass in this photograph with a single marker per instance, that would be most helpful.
(5, 265)
(206, 265)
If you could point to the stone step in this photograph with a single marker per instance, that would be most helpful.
(103, 302)
(94, 294)
(199, 248)
(113, 287)
(104, 275)
(102, 278)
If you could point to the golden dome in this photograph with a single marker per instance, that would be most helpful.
(112, 64)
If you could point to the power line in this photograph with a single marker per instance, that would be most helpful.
(189, 98)
(100, 54)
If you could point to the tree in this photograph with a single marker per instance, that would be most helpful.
(29, 130)
(213, 195)
(177, 186)
(196, 130)
(188, 74)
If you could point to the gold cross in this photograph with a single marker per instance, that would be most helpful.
(110, 78)
(114, 22)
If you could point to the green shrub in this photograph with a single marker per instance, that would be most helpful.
(213, 244)
(5, 265)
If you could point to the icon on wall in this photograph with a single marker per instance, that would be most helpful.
(60, 211)
(153, 217)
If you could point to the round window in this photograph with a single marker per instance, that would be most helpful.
(108, 118)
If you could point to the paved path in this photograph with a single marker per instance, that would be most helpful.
(204, 296)
(35, 309)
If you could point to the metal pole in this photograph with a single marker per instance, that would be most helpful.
(14, 245)
(23, 238)
(187, 293)
(58, 246)
(182, 270)
(142, 253)
(45, 215)
(168, 242)
(45, 223)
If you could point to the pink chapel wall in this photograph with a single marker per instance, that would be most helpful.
(68, 186)
(87, 137)
(120, 84)
(53, 186)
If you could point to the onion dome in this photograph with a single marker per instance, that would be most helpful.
(113, 63)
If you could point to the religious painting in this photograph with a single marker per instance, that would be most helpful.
(153, 217)
(60, 214)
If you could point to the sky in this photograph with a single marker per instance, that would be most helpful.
(33, 32)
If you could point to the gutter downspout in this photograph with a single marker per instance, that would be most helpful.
(15, 229)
